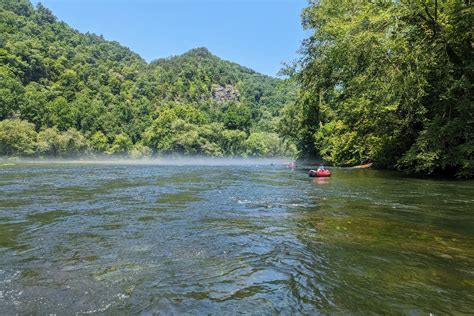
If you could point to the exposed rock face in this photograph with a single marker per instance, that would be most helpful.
(225, 93)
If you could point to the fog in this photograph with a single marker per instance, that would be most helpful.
(159, 161)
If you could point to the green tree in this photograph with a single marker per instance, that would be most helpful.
(53, 143)
(233, 142)
(139, 151)
(387, 82)
(11, 94)
(263, 144)
(121, 145)
(159, 136)
(17, 138)
(99, 142)
(63, 115)
(237, 116)
(73, 143)
(33, 109)
(49, 142)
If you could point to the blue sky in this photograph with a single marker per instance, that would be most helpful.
(260, 34)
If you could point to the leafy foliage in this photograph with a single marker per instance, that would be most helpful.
(388, 82)
(68, 83)
(17, 137)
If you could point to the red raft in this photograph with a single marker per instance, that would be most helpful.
(319, 173)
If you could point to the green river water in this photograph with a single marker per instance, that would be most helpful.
(86, 238)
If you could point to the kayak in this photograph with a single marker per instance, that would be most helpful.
(319, 173)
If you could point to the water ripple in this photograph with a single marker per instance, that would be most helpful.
(91, 239)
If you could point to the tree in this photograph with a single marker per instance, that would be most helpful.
(43, 14)
(73, 143)
(20, 7)
(98, 142)
(233, 142)
(159, 136)
(63, 115)
(121, 145)
(49, 142)
(33, 108)
(53, 143)
(17, 138)
(11, 94)
(237, 117)
(139, 151)
(263, 144)
(387, 82)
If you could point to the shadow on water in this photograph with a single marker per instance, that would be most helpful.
(385, 246)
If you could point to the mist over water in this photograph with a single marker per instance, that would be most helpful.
(158, 161)
(221, 236)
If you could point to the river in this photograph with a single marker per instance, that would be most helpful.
(254, 238)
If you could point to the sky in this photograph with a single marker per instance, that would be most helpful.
(259, 34)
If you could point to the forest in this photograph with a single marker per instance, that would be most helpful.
(65, 94)
(388, 83)
(382, 82)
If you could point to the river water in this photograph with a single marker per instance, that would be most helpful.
(260, 239)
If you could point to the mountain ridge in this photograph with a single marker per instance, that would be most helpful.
(59, 79)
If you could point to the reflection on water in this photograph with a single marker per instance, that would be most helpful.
(93, 238)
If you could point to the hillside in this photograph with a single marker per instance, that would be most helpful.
(64, 92)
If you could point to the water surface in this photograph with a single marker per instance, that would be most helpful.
(95, 238)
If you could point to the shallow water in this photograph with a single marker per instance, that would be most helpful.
(95, 238)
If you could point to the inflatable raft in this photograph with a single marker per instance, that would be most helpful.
(319, 173)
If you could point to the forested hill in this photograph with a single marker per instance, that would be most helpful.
(198, 76)
(63, 93)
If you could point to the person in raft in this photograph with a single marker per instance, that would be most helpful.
(321, 167)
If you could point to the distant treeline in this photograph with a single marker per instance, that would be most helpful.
(388, 82)
(63, 92)
(20, 138)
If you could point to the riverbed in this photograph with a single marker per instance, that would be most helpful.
(251, 238)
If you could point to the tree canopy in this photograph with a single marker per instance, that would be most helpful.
(388, 82)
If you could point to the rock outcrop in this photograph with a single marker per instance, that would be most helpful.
(225, 93)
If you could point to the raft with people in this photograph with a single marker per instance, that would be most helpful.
(320, 172)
